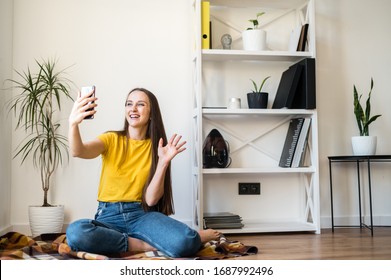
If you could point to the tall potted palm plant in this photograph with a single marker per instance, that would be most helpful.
(35, 109)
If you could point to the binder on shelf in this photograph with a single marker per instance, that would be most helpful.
(303, 38)
(290, 143)
(299, 154)
(305, 96)
(210, 35)
(287, 88)
(205, 25)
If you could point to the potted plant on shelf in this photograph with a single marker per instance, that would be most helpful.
(35, 109)
(363, 144)
(254, 38)
(257, 98)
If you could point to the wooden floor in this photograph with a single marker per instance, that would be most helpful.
(343, 244)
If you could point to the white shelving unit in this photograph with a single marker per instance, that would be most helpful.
(289, 199)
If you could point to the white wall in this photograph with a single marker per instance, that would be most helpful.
(353, 45)
(120, 44)
(5, 125)
(116, 45)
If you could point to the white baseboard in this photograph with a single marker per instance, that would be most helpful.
(5, 229)
(22, 228)
(325, 222)
(25, 228)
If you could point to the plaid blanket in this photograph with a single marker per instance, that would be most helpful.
(14, 245)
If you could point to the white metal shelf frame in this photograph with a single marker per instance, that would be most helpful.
(196, 157)
(287, 115)
(310, 175)
(304, 13)
(307, 174)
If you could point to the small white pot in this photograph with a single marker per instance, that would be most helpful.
(254, 40)
(46, 219)
(364, 145)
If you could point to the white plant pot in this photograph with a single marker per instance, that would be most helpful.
(364, 145)
(46, 219)
(254, 40)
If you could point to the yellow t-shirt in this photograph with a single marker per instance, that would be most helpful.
(123, 180)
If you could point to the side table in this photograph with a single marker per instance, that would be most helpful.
(357, 159)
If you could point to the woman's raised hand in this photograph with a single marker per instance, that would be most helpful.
(173, 147)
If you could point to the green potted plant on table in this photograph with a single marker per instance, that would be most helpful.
(258, 98)
(254, 38)
(363, 144)
(35, 109)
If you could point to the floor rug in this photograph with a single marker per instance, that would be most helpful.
(14, 245)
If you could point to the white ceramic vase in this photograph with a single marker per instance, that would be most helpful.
(254, 40)
(46, 219)
(364, 145)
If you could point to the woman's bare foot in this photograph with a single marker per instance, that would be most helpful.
(135, 244)
(208, 235)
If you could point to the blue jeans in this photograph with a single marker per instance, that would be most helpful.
(115, 222)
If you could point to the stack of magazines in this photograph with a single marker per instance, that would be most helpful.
(222, 220)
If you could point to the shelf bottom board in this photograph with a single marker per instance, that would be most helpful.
(272, 227)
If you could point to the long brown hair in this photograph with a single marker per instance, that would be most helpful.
(155, 131)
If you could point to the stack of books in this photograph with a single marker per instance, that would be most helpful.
(222, 220)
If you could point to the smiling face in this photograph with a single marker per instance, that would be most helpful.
(138, 110)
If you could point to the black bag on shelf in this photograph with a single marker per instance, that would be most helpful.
(215, 151)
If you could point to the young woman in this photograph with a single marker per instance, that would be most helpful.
(134, 194)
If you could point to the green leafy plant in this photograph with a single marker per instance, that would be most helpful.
(256, 89)
(35, 110)
(255, 22)
(363, 118)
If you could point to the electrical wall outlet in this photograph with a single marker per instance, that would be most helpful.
(250, 188)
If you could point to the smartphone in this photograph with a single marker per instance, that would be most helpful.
(85, 91)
